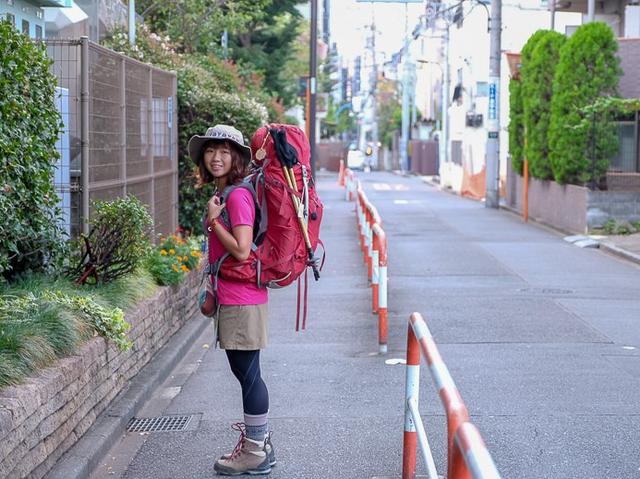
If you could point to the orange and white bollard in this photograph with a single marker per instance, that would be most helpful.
(381, 306)
(341, 174)
(412, 392)
(375, 270)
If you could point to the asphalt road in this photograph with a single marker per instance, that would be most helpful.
(541, 337)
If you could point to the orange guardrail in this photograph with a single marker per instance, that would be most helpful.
(373, 244)
(467, 456)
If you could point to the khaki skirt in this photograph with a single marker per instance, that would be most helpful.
(242, 327)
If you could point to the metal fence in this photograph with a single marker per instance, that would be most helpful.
(120, 133)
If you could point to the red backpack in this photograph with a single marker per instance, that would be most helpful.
(288, 212)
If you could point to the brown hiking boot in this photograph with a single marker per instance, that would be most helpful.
(248, 457)
(268, 448)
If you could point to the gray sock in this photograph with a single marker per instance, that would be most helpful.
(256, 426)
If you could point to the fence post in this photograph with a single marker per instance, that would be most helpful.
(84, 131)
(150, 152)
(123, 126)
(412, 390)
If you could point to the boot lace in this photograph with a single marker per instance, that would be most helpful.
(240, 427)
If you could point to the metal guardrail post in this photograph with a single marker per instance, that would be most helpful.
(412, 390)
(472, 449)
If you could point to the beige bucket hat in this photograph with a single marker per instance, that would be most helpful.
(218, 132)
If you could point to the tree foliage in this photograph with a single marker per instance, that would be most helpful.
(389, 111)
(263, 35)
(588, 68)
(31, 237)
(516, 125)
(516, 106)
(538, 68)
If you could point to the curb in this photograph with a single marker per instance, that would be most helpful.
(613, 249)
(84, 456)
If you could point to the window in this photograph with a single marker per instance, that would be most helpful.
(38, 32)
(627, 156)
(10, 2)
(25, 27)
(11, 19)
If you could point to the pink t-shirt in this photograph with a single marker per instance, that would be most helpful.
(241, 211)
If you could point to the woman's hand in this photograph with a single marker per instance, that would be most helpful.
(214, 208)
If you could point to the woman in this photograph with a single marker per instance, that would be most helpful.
(222, 159)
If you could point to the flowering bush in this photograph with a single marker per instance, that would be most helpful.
(173, 258)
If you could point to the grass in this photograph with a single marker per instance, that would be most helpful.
(35, 330)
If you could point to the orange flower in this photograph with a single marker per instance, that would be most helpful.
(185, 268)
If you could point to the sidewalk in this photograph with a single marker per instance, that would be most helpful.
(336, 407)
(541, 337)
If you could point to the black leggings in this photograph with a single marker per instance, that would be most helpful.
(245, 366)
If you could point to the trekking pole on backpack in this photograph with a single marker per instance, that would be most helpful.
(288, 157)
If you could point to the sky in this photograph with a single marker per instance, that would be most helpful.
(350, 19)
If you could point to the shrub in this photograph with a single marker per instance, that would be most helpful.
(173, 258)
(31, 236)
(587, 69)
(34, 332)
(537, 91)
(117, 242)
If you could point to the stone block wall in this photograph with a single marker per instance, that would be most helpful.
(43, 417)
(619, 205)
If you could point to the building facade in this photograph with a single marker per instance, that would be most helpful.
(28, 16)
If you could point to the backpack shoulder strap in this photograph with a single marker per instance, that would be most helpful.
(259, 226)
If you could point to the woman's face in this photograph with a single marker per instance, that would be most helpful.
(217, 159)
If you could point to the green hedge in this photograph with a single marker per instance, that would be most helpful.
(588, 69)
(31, 238)
(537, 91)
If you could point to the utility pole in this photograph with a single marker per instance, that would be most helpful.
(132, 22)
(406, 96)
(492, 196)
(313, 70)
(374, 93)
(444, 122)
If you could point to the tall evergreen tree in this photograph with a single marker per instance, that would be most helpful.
(537, 90)
(588, 69)
(516, 107)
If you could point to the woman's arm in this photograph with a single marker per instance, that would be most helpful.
(238, 242)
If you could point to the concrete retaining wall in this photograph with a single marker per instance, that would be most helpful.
(572, 208)
(561, 206)
(43, 417)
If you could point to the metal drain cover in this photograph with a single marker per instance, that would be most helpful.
(159, 424)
